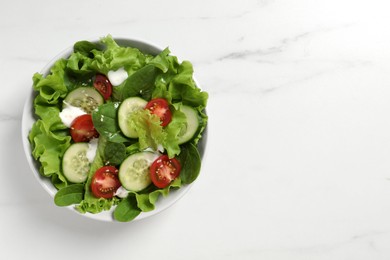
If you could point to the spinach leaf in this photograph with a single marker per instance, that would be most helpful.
(190, 162)
(74, 78)
(69, 195)
(127, 209)
(140, 83)
(106, 123)
(114, 153)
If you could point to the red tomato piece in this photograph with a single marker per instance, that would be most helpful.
(160, 108)
(103, 85)
(164, 170)
(82, 129)
(105, 182)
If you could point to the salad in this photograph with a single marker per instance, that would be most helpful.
(117, 128)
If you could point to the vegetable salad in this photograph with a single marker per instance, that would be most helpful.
(117, 128)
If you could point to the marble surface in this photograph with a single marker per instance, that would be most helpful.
(297, 164)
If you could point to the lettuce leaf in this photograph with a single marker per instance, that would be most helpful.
(114, 57)
(183, 87)
(147, 201)
(49, 138)
(172, 130)
(52, 87)
(149, 129)
(48, 148)
(152, 135)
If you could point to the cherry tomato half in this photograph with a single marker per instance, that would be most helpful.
(82, 129)
(164, 170)
(105, 182)
(160, 108)
(103, 85)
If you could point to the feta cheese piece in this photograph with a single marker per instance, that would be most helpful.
(92, 148)
(121, 192)
(160, 148)
(117, 77)
(69, 113)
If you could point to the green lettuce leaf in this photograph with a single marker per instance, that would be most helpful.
(85, 48)
(172, 130)
(183, 87)
(115, 57)
(52, 87)
(149, 129)
(178, 86)
(146, 201)
(151, 134)
(48, 148)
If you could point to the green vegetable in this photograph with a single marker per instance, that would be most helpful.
(134, 171)
(190, 162)
(69, 195)
(149, 129)
(85, 48)
(105, 120)
(75, 164)
(114, 153)
(191, 125)
(48, 148)
(127, 209)
(173, 130)
(52, 87)
(141, 83)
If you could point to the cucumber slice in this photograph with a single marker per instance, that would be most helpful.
(192, 125)
(86, 98)
(128, 106)
(134, 171)
(75, 164)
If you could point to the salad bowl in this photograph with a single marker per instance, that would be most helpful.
(30, 117)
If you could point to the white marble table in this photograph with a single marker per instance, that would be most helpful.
(297, 164)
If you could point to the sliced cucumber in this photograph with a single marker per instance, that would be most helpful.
(128, 106)
(191, 126)
(87, 98)
(134, 171)
(75, 164)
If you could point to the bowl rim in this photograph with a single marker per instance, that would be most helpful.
(28, 118)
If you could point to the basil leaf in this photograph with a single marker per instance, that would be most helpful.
(190, 162)
(69, 195)
(106, 123)
(127, 209)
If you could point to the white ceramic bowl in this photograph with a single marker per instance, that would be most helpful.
(29, 118)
